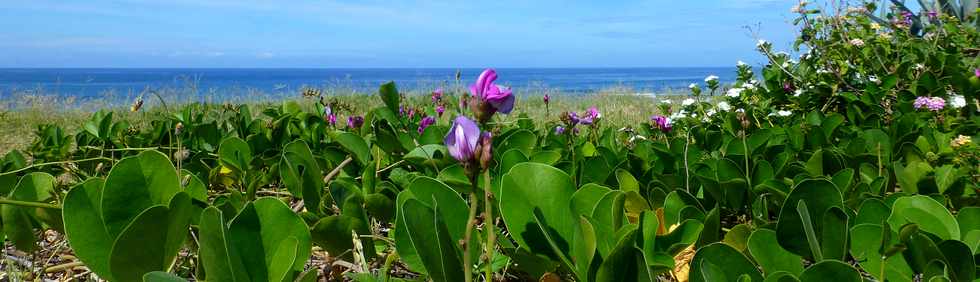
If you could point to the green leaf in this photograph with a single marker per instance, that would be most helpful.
(333, 234)
(626, 181)
(428, 155)
(866, 239)
(301, 174)
(85, 229)
(927, 213)
(818, 195)
(909, 176)
(151, 241)
(353, 144)
(18, 220)
(833, 241)
(261, 227)
(436, 250)
(221, 261)
(968, 220)
(734, 263)
(831, 270)
(773, 258)
(161, 276)
(530, 186)
(428, 191)
(134, 185)
(235, 154)
(389, 94)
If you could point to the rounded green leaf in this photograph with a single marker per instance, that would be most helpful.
(729, 261)
(533, 186)
(831, 270)
(818, 196)
(773, 258)
(84, 228)
(151, 241)
(927, 213)
(18, 221)
(134, 185)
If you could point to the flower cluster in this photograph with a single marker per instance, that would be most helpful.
(960, 141)
(355, 121)
(664, 124)
(934, 104)
(329, 116)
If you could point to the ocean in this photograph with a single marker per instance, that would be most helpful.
(245, 83)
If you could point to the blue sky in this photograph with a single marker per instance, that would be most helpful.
(425, 33)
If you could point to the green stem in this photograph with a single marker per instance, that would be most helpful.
(5, 201)
(748, 172)
(489, 222)
(54, 163)
(467, 260)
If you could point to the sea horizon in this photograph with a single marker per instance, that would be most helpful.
(94, 83)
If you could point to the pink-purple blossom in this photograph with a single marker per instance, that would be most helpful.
(547, 99)
(426, 122)
(931, 103)
(500, 99)
(440, 109)
(661, 122)
(462, 139)
(437, 95)
(355, 121)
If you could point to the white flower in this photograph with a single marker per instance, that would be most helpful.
(710, 112)
(734, 92)
(740, 110)
(957, 101)
(857, 42)
(666, 101)
(693, 86)
(920, 67)
(741, 63)
(873, 78)
(797, 93)
(823, 71)
(724, 106)
(762, 43)
(687, 102)
(750, 86)
(784, 113)
(711, 78)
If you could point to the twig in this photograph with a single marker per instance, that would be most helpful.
(63, 266)
(54, 163)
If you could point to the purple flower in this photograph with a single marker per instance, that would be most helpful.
(401, 110)
(591, 116)
(329, 116)
(559, 130)
(934, 104)
(573, 119)
(437, 95)
(932, 15)
(907, 17)
(332, 119)
(500, 99)
(426, 122)
(440, 109)
(411, 113)
(462, 139)
(663, 123)
(976, 73)
(355, 121)
(547, 99)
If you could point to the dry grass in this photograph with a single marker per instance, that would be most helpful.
(21, 114)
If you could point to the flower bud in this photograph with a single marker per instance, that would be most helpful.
(486, 151)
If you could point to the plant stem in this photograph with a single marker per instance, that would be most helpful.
(5, 201)
(54, 163)
(467, 264)
(489, 222)
(748, 172)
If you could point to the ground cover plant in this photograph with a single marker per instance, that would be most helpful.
(854, 162)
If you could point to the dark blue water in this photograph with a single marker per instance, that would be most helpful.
(217, 83)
